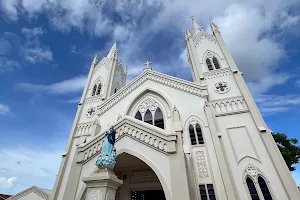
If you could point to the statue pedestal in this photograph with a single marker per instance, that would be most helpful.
(101, 185)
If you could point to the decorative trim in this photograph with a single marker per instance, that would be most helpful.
(200, 35)
(144, 133)
(221, 87)
(201, 164)
(217, 73)
(148, 103)
(251, 170)
(84, 129)
(229, 106)
(90, 112)
(183, 85)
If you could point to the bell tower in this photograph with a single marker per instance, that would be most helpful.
(242, 139)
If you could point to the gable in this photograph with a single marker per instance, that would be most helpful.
(32, 193)
(176, 83)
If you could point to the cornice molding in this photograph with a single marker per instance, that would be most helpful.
(217, 73)
(179, 84)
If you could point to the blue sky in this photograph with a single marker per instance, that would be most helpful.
(46, 47)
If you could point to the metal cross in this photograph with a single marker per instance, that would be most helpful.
(91, 111)
(221, 86)
(147, 64)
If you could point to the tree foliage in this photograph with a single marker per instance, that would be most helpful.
(289, 149)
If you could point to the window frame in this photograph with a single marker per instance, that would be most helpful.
(194, 124)
(254, 178)
(153, 116)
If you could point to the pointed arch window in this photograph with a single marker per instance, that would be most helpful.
(148, 117)
(138, 116)
(159, 118)
(209, 65)
(216, 63)
(252, 189)
(192, 135)
(94, 90)
(153, 117)
(98, 89)
(196, 135)
(264, 188)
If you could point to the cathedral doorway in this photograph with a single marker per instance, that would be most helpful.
(139, 180)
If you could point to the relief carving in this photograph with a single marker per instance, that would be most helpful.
(148, 104)
(201, 164)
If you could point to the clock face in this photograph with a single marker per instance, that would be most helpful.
(91, 112)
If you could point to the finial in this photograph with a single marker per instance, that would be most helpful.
(214, 27)
(147, 63)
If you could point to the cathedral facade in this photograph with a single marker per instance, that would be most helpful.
(175, 139)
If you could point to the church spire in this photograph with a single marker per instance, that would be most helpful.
(95, 60)
(112, 51)
(196, 26)
(214, 27)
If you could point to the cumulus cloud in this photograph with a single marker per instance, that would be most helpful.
(32, 50)
(4, 109)
(72, 85)
(7, 182)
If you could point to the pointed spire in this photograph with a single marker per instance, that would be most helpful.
(95, 60)
(112, 51)
(196, 26)
(214, 27)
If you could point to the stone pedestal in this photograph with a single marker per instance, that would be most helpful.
(101, 185)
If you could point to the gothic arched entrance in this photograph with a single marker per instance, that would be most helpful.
(139, 181)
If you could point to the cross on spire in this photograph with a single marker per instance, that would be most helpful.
(147, 64)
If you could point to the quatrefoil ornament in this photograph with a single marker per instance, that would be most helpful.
(91, 112)
(221, 87)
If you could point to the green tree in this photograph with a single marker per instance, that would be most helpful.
(289, 149)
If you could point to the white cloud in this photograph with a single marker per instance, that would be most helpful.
(7, 182)
(8, 65)
(267, 81)
(272, 104)
(9, 7)
(32, 50)
(75, 84)
(4, 109)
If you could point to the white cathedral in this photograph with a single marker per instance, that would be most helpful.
(175, 139)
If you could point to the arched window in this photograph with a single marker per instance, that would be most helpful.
(148, 117)
(264, 188)
(196, 135)
(98, 89)
(159, 118)
(216, 63)
(199, 134)
(138, 116)
(252, 189)
(156, 118)
(94, 90)
(209, 65)
(192, 135)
